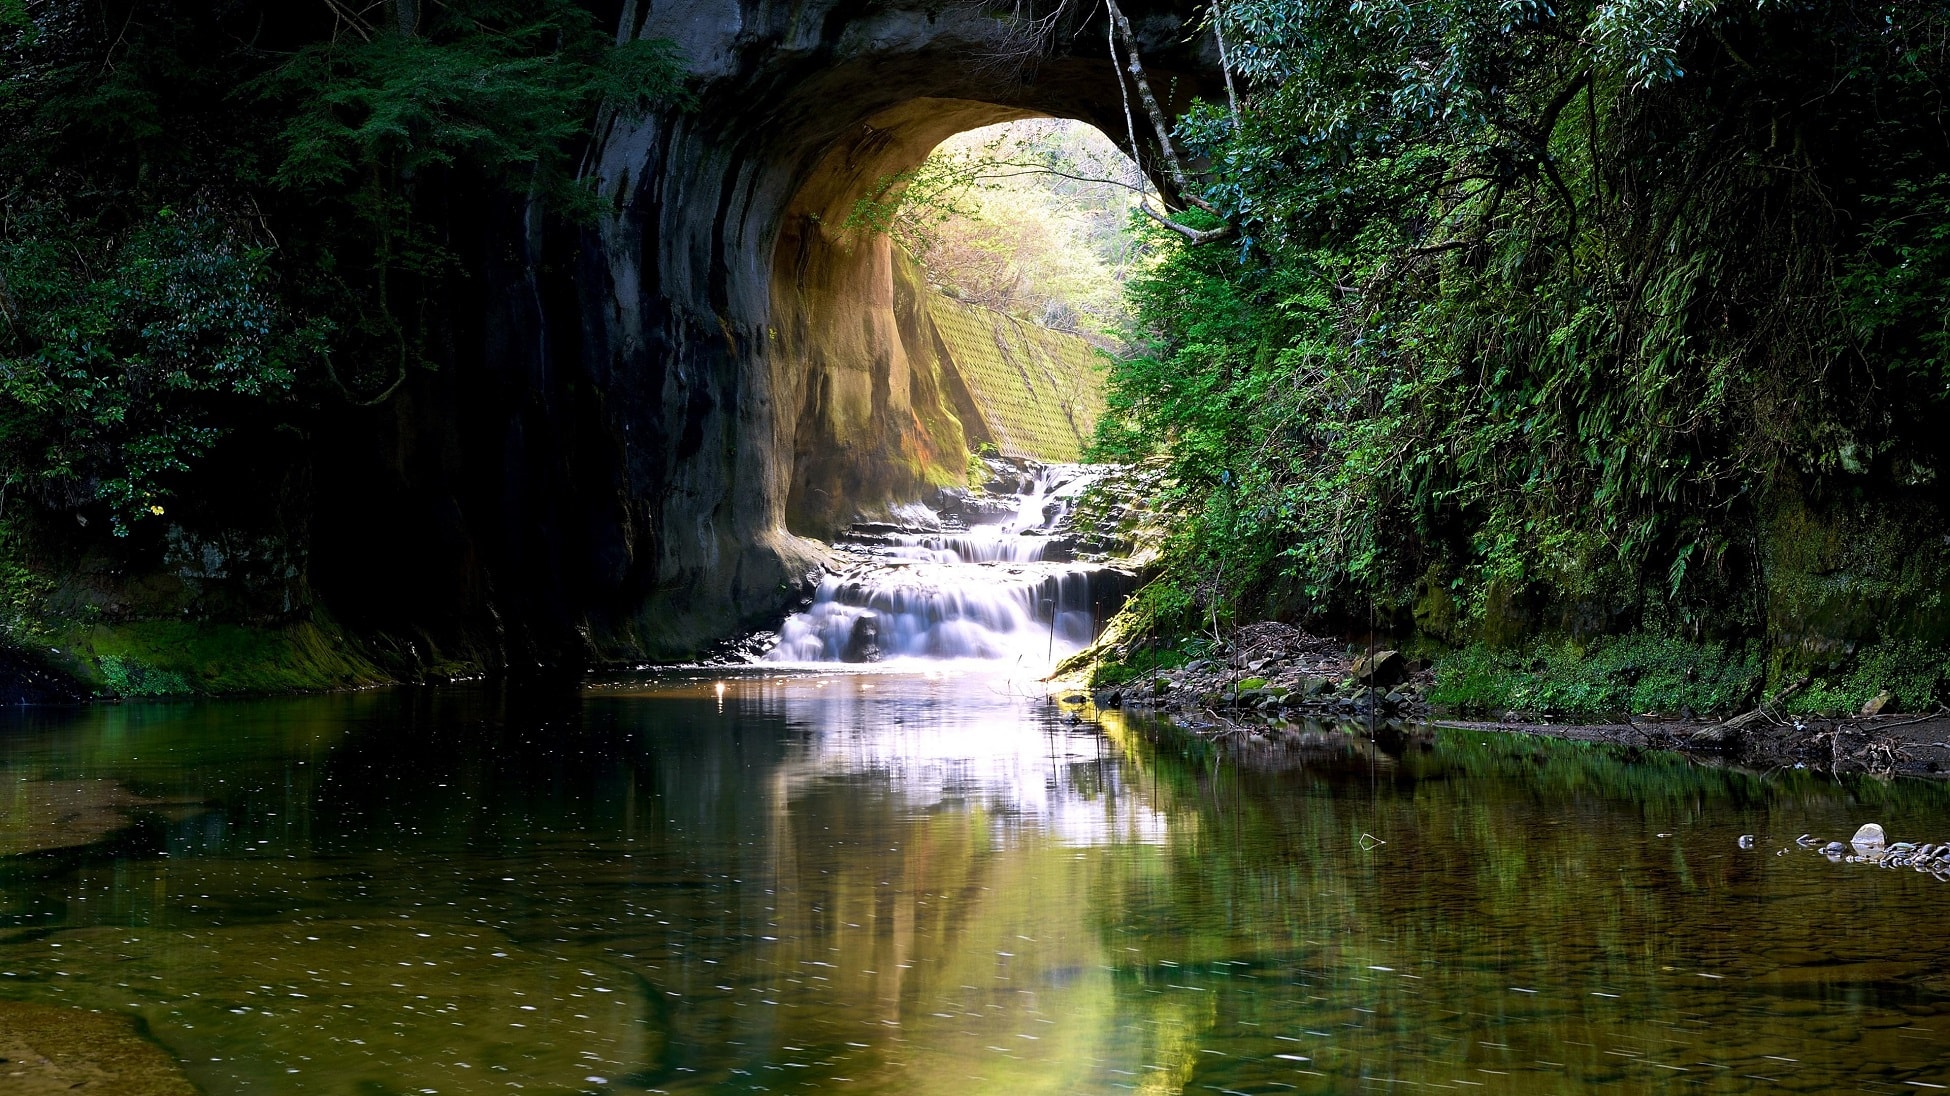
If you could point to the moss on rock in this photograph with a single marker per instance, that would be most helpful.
(195, 658)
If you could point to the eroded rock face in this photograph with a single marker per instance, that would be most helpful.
(633, 455)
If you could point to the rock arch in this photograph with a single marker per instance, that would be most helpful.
(676, 394)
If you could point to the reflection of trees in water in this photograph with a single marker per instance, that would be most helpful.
(1563, 868)
(798, 881)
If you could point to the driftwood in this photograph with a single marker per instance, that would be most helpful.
(1728, 732)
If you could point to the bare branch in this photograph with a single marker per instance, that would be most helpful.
(1158, 122)
(1225, 64)
(1192, 235)
(1130, 125)
(1041, 169)
(350, 18)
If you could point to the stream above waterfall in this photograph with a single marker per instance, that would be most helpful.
(992, 577)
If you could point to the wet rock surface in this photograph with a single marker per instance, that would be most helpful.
(1870, 845)
(1270, 673)
(40, 816)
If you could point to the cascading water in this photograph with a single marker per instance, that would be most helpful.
(999, 586)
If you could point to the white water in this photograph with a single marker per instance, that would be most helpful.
(981, 593)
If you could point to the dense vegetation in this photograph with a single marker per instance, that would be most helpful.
(1530, 324)
(214, 212)
(221, 226)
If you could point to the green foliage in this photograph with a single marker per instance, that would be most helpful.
(504, 89)
(23, 590)
(1911, 671)
(131, 678)
(1540, 305)
(1139, 666)
(1607, 679)
(507, 87)
(118, 367)
(216, 213)
(1159, 609)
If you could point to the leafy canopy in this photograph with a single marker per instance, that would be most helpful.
(1536, 311)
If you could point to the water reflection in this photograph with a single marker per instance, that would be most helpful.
(903, 883)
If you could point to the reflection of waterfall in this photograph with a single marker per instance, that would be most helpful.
(995, 590)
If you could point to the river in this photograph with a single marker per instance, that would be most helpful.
(935, 883)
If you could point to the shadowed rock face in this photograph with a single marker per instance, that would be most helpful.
(667, 404)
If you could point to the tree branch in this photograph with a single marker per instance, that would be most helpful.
(1225, 63)
(1191, 235)
(1136, 67)
(350, 18)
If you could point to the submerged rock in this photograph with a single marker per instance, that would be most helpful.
(47, 815)
(48, 1049)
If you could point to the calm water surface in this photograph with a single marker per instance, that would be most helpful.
(911, 884)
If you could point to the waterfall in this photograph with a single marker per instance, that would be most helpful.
(1000, 591)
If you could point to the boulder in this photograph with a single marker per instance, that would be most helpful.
(863, 641)
(1868, 838)
(1381, 669)
(1877, 703)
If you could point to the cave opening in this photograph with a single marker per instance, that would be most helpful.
(1029, 217)
(945, 284)
(1006, 248)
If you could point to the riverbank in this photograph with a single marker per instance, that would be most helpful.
(1883, 745)
(1273, 682)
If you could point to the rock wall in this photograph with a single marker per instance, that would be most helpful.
(640, 429)
(754, 374)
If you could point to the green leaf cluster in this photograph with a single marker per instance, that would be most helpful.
(213, 214)
(119, 364)
(1538, 305)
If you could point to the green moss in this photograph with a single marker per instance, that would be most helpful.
(1853, 575)
(181, 658)
(1138, 665)
(1910, 670)
(1605, 679)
